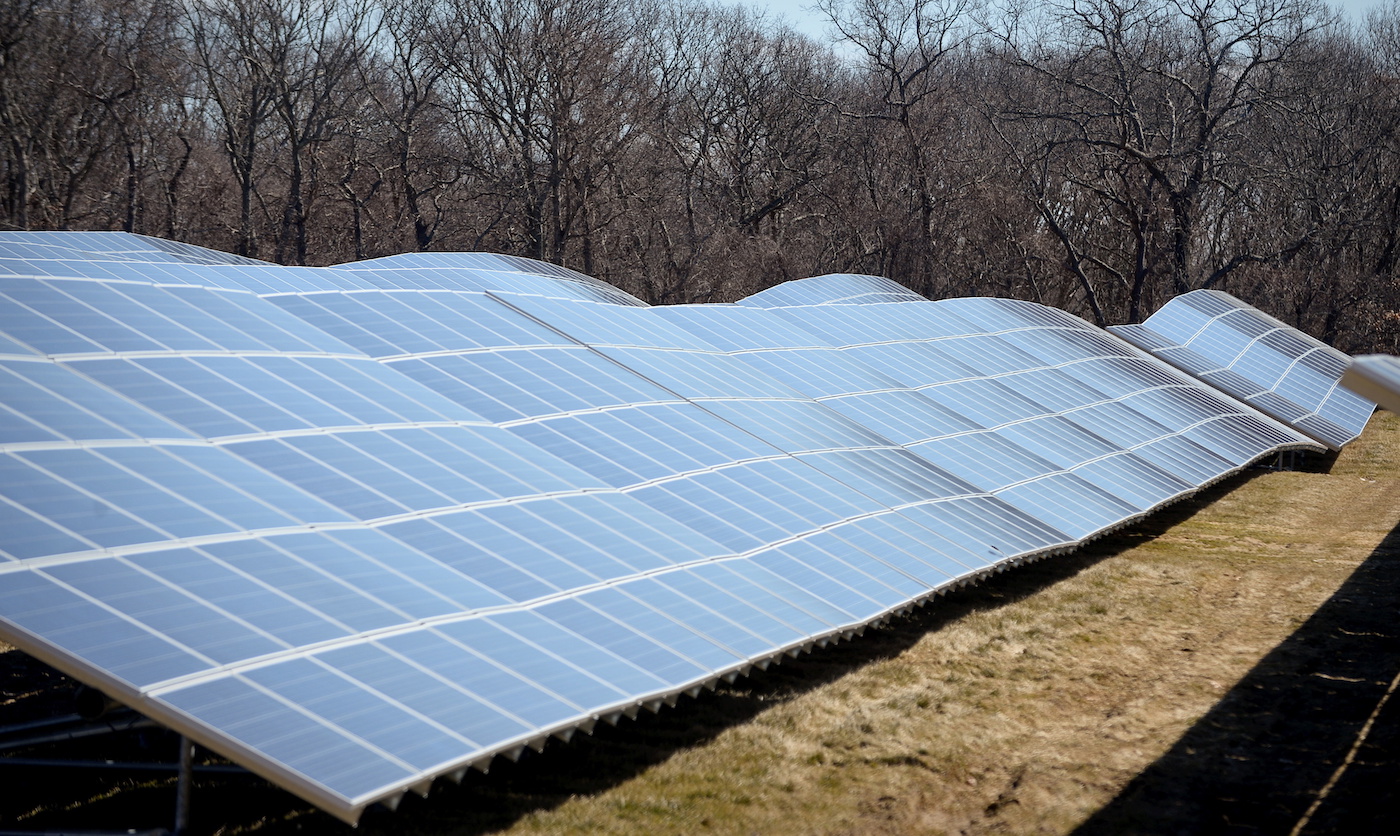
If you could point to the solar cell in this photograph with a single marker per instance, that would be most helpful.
(357, 528)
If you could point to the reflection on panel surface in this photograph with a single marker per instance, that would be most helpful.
(357, 528)
(1243, 351)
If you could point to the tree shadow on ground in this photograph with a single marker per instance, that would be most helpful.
(1303, 739)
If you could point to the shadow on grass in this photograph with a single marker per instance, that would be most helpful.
(1261, 758)
(39, 800)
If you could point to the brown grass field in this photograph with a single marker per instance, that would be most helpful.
(1226, 667)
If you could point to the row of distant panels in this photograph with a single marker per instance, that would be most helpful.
(32, 253)
(221, 397)
(144, 260)
(1286, 374)
(86, 318)
(387, 558)
(1277, 369)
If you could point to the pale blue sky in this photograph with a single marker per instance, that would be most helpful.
(812, 23)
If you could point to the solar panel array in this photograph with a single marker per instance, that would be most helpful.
(358, 528)
(1275, 368)
(1375, 377)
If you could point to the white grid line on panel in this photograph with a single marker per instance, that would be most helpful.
(416, 624)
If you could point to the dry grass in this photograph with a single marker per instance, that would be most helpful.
(1100, 691)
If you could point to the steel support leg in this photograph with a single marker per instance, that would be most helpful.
(182, 790)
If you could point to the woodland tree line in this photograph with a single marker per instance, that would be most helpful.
(1096, 155)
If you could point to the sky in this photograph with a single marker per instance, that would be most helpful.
(802, 15)
(796, 13)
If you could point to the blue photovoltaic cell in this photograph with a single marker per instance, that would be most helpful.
(360, 527)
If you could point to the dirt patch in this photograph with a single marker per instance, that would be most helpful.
(1209, 671)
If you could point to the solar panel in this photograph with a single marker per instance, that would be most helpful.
(1275, 368)
(832, 289)
(83, 245)
(1375, 377)
(360, 528)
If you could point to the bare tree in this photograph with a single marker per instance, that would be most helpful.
(310, 64)
(1100, 155)
(908, 49)
(542, 92)
(735, 148)
(225, 42)
(1155, 103)
(402, 75)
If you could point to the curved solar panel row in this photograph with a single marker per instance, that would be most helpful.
(833, 289)
(360, 528)
(113, 245)
(1375, 377)
(1241, 350)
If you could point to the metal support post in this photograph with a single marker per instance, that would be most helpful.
(182, 790)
